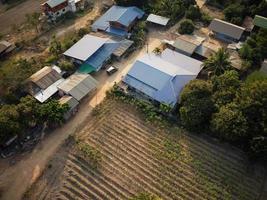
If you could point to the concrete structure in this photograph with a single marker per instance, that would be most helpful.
(162, 77)
(43, 84)
(118, 20)
(264, 66)
(156, 19)
(92, 52)
(78, 86)
(226, 31)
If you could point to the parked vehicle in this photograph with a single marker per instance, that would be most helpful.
(111, 70)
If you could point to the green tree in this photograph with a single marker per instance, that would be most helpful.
(196, 105)
(225, 88)
(52, 113)
(218, 63)
(33, 20)
(55, 47)
(234, 13)
(229, 123)
(9, 122)
(157, 51)
(186, 27)
(66, 66)
(139, 34)
(193, 13)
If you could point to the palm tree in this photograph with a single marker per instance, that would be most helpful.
(157, 51)
(218, 63)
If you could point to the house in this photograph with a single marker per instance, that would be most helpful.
(162, 78)
(43, 84)
(226, 31)
(92, 52)
(260, 21)
(118, 20)
(55, 8)
(6, 48)
(78, 86)
(156, 19)
(72, 103)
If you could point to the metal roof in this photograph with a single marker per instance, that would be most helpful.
(204, 51)
(54, 3)
(185, 46)
(4, 45)
(71, 101)
(124, 45)
(85, 47)
(260, 21)
(45, 77)
(78, 85)
(122, 15)
(43, 95)
(163, 77)
(158, 19)
(226, 28)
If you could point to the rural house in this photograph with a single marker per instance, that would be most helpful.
(56, 8)
(43, 84)
(226, 31)
(78, 86)
(92, 52)
(162, 78)
(260, 22)
(118, 20)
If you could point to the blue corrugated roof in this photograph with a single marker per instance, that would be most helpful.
(123, 15)
(162, 77)
(102, 54)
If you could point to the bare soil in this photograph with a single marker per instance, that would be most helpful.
(137, 156)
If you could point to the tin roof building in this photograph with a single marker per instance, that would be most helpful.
(163, 77)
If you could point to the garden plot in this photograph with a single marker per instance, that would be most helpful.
(123, 155)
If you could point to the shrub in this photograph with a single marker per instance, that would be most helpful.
(186, 27)
(193, 13)
(66, 66)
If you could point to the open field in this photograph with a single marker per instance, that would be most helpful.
(136, 156)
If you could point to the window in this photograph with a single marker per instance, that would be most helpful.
(57, 13)
(64, 10)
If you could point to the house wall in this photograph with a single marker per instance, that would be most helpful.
(120, 26)
(59, 10)
(224, 38)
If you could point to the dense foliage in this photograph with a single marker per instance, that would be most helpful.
(239, 114)
(145, 196)
(186, 27)
(15, 119)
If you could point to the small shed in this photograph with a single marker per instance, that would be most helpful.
(72, 103)
(260, 21)
(226, 31)
(264, 66)
(6, 47)
(156, 19)
(78, 86)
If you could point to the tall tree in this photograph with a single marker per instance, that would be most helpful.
(218, 63)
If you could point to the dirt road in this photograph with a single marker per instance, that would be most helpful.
(17, 14)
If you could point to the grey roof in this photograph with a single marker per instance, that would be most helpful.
(158, 19)
(204, 51)
(85, 47)
(78, 85)
(4, 45)
(54, 3)
(124, 45)
(185, 46)
(71, 101)
(226, 28)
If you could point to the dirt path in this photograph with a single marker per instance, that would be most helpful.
(17, 14)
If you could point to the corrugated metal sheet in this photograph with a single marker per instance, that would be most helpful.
(45, 77)
(226, 28)
(123, 46)
(54, 3)
(78, 85)
(260, 21)
(158, 19)
(4, 45)
(123, 15)
(86, 47)
(163, 77)
(185, 46)
(71, 101)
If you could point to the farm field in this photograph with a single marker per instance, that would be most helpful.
(134, 156)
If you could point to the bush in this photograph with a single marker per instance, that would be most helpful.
(186, 27)
(234, 13)
(66, 66)
(193, 13)
(206, 19)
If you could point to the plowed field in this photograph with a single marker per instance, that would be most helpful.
(137, 156)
